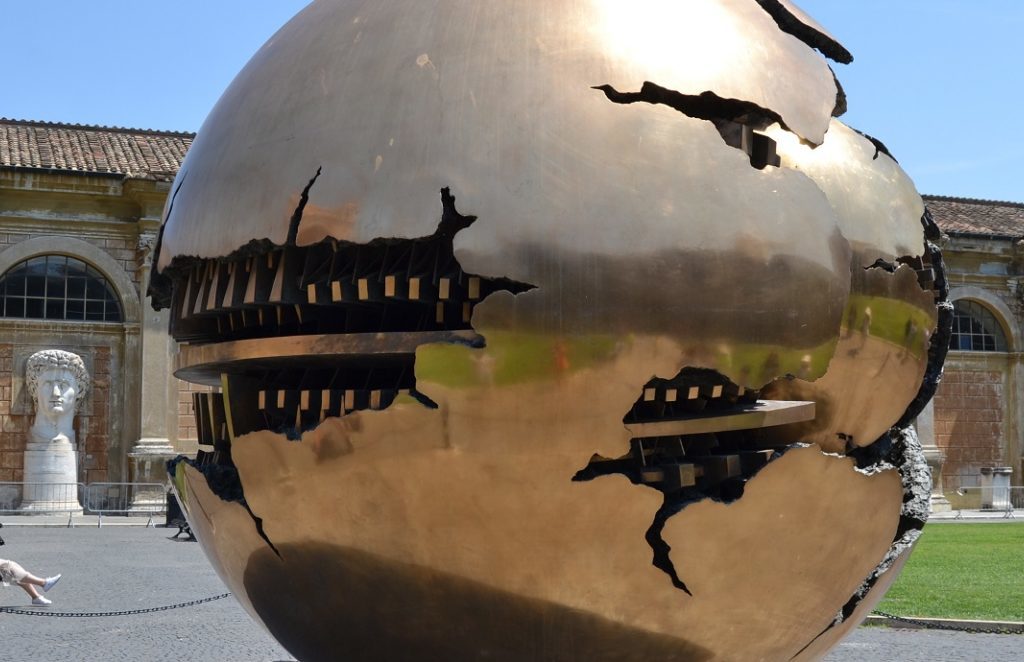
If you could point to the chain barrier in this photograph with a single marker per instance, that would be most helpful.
(96, 614)
(932, 625)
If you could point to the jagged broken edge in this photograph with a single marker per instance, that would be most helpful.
(687, 497)
(673, 505)
(899, 448)
(704, 106)
(792, 25)
(225, 481)
(451, 222)
(880, 147)
(711, 107)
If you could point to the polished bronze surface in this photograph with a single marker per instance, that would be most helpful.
(760, 414)
(562, 329)
(206, 363)
(497, 99)
(510, 527)
(832, 636)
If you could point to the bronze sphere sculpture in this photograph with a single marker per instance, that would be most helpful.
(555, 329)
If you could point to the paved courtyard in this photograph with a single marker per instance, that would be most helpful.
(121, 568)
(882, 644)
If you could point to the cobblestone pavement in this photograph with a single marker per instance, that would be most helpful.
(122, 568)
(883, 644)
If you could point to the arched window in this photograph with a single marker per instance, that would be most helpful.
(57, 287)
(975, 329)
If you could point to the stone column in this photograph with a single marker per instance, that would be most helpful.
(925, 424)
(152, 450)
(1015, 393)
(1015, 418)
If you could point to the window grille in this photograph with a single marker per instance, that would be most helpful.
(975, 329)
(57, 287)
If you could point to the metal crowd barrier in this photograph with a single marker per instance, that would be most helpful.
(34, 498)
(127, 499)
(1004, 499)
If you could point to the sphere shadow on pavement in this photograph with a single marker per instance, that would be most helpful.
(127, 568)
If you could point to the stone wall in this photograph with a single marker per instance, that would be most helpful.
(109, 222)
(12, 431)
(979, 416)
(970, 408)
(120, 248)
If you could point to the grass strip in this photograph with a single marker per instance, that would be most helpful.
(969, 571)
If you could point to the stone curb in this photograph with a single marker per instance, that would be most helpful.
(56, 521)
(1010, 627)
(972, 516)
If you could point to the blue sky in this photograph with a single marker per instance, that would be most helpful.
(938, 81)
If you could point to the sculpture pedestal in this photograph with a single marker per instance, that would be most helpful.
(148, 463)
(51, 478)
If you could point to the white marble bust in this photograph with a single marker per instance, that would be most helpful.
(58, 382)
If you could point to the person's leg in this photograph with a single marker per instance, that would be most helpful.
(13, 572)
(29, 582)
(30, 589)
(29, 578)
(47, 583)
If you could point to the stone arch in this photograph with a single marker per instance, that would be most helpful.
(97, 257)
(1004, 316)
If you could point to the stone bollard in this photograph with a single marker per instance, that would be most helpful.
(995, 488)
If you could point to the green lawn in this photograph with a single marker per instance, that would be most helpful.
(972, 571)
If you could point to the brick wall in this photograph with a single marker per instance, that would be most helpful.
(969, 406)
(94, 421)
(12, 429)
(186, 417)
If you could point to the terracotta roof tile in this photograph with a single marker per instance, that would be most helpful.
(977, 217)
(149, 154)
(134, 153)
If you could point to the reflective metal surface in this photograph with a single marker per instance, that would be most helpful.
(497, 98)
(419, 550)
(542, 330)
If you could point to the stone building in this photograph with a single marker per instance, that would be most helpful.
(979, 406)
(80, 208)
